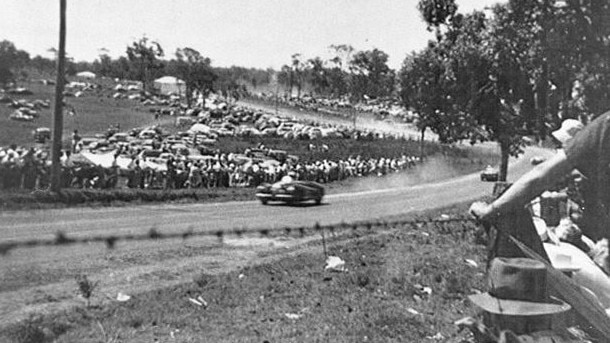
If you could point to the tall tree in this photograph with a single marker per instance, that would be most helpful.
(11, 61)
(318, 75)
(371, 75)
(298, 73)
(144, 57)
(486, 92)
(342, 55)
(285, 78)
(421, 90)
(196, 71)
(42, 64)
(338, 72)
(103, 65)
(437, 13)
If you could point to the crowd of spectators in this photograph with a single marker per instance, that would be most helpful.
(29, 169)
(150, 159)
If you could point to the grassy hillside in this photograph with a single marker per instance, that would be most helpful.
(93, 115)
(401, 284)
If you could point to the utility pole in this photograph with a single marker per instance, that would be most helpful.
(58, 111)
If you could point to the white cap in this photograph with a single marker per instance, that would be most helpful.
(568, 130)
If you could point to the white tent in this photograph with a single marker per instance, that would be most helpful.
(170, 84)
(106, 159)
(199, 128)
(86, 75)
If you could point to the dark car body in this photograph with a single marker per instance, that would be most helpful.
(489, 174)
(42, 134)
(290, 192)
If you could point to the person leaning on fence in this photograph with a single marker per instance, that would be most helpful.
(589, 153)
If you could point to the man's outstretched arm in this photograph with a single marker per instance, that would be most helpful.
(530, 185)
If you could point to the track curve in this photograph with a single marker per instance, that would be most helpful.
(336, 208)
(41, 279)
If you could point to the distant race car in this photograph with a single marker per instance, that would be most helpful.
(536, 160)
(489, 174)
(290, 192)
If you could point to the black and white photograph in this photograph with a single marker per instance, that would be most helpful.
(305, 171)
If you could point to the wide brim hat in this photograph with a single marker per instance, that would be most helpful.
(494, 305)
(568, 129)
(518, 288)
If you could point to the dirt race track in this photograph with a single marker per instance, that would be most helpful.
(42, 279)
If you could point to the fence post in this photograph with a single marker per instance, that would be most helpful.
(517, 223)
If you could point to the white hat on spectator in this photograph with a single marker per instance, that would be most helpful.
(568, 130)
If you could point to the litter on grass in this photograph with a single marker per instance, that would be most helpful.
(412, 311)
(293, 316)
(202, 301)
(335, 263)
(122, 297)
(196, 302)
(423, 290)
(472, 263)
(438, 337)
(199, 301)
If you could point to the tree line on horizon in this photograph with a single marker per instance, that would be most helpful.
(515, 69)
(349, 72)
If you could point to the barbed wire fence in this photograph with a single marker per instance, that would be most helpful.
(62, 239)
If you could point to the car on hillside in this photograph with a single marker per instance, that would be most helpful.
(120, 137)
(286, 127)
(20, 116)
(489, 174)
(147, 134)
(41, 135)
(290, 192)
(87, 142)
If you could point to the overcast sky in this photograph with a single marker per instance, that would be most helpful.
(249, 33)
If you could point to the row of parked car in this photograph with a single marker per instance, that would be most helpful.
(24, 110)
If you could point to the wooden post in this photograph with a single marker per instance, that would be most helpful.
(518, 224)
(59, 96)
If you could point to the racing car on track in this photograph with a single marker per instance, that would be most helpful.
(290, 192)
(489, 174)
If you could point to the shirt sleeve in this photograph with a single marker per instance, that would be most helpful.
(584, 150)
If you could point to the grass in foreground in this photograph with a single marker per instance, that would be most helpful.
(381, 298)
